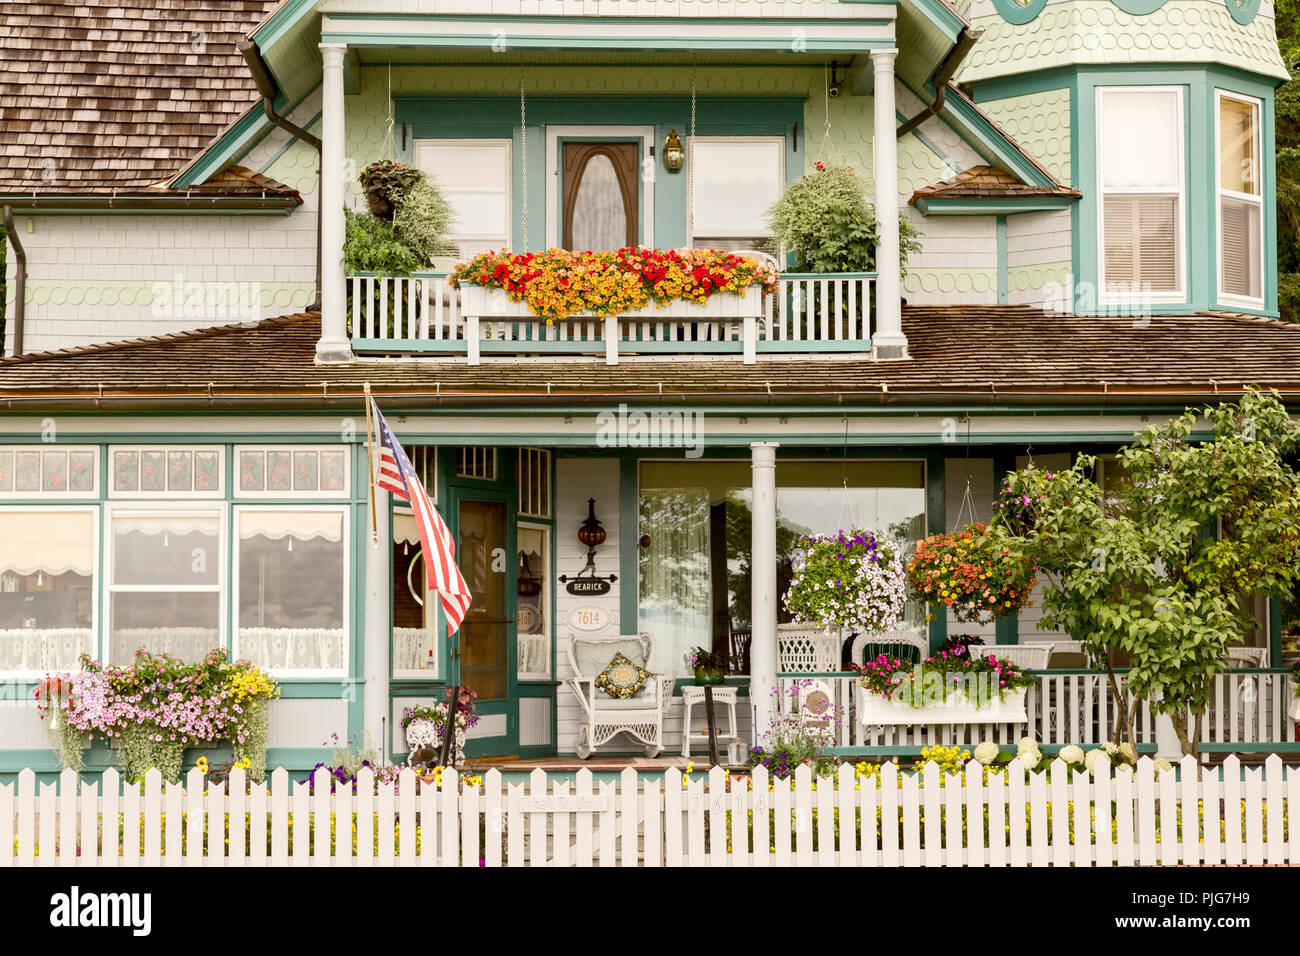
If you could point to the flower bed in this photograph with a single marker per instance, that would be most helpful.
(949, 688)
(557, 284)
(971, 575)
(155, 707)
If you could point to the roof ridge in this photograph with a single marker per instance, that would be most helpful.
(211, 331)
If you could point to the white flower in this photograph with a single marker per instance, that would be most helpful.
(1071, 754)
(1110, 748)
(1162, 765)
(1029, 759)
(1127, 753)
(1092, 759)
(986, 752)
(1026, 743)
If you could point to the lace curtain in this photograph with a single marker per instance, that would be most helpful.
(675, 587)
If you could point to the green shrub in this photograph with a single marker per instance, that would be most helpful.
(422, 220)
(372, 245)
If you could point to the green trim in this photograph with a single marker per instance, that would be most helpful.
(1001, 224)
(939, 14)
(233, 142)
(629, 613)
(282, 21)
(1010, 205)
(995, 143)
(936, 522)
(1017, 13)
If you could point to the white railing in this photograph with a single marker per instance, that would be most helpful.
(1248, 707)
(423, 313)
(1189, 816)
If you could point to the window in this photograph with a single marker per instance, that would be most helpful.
(166, 472)
(1241, 219)
(735, 182)
(533, 608)
(165, 585)
(474, 175)
(415, 607)
(39, 471)
(291, 471)
(1140, 133)
(533, 474)
(477, 462)
(291, 597)
(47, 588)
(694, 565)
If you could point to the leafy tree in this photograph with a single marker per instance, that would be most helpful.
(1139, 568)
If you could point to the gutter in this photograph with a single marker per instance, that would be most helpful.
(166, 202)
(261, 74)
(20, 280)
(939, 79)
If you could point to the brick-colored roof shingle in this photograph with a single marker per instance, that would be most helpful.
(989, 352)
(99, 95)
(985, 182)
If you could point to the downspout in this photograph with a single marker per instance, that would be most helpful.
(946, 71)
(20, 281)
(266, 87)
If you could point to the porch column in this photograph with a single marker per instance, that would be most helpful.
(375, 710)
(887, 341)
(762, 648)
(333, 344)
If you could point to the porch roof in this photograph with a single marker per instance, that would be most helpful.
(975, 354)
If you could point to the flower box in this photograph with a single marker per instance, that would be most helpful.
(484, 303)
(874, 710)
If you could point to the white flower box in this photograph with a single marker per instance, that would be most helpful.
(484, 303)
(873, 710)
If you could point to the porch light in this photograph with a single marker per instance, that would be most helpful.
(673, 152)
(591, 533)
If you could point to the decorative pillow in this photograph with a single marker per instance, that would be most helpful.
(621, 678)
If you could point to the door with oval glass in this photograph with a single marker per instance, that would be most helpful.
(599, 194)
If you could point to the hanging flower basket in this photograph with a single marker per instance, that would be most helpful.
(968, 574)
(852, 579)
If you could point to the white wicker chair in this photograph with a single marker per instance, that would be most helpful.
(1033, 657)
(901, 642)
(604, 717)
(807, 649)
(1247, 657)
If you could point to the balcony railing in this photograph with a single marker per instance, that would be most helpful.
(809, 312)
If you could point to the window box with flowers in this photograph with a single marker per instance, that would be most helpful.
(949, 688)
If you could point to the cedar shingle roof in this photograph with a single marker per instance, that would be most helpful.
(985, 182)
(994, 353)
(97, 95)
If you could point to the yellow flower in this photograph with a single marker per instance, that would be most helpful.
(202, 764)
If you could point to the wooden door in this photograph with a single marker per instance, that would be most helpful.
(599, 195)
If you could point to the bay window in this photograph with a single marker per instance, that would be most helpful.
(291, 598)
(736, 180)
(1240, 199)
(1141, 189)
(47, 588)
(164, 593)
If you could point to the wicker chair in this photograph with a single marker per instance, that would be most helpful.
(807, 649)
(1033, 657)
(603, 717)
(904, 645)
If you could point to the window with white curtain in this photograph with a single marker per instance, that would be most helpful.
(165, 586)
(1141, 178)
(736, 180)
(1241, 202)
(533, 607)
(47, 588)
(291, 593)
(474, 176)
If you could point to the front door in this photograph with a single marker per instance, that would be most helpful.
(483, 653)
(599, 194)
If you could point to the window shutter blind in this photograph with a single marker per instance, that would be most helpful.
(1141, 248)
(1236, 243)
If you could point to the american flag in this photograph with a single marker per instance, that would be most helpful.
(397, 475)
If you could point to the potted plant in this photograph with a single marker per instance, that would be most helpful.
(425, 726)
(709, 667)
(971, 575)
(385, 184)
(850, 580)
(558, 284)
(948, 688)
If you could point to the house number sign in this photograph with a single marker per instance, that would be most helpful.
(588, 617)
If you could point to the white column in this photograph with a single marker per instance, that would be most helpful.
(333, 345)
(888, 340)
(377, 637)
(762, 619)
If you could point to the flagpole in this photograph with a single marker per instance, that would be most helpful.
(370, 470)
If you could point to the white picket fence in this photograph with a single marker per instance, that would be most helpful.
(1221, 815)
(1247, 706)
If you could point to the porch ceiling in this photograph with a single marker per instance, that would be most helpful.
(477, 56)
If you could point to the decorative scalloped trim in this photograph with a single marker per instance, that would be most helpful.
(1018, 13)
(1021, 13)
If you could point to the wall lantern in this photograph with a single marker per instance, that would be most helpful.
(673, 152)
(591, 533)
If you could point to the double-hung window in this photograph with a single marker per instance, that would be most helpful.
(736, 181)
(474, 176)
(1240, 200)
(1141, 180)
